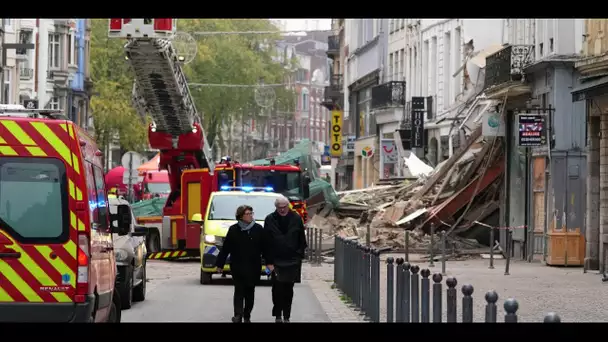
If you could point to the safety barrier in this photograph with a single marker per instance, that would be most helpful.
(410, 295)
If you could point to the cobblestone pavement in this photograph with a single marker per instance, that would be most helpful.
(539, 289)
(174, 294)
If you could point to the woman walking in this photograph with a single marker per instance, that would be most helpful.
(246, 244)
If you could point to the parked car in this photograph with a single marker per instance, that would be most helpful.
(130, 252)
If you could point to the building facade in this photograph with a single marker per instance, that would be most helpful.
(367, 47)
(591, 93)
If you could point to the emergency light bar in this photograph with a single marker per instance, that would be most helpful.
(246, 188)
(34, 113)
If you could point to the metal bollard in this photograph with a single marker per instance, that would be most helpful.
(390, 286)
(407, 246)
(491, 309)
(437, 298)
(309, 248)
(314, 243)
(451, 282)
(318, 250)
(406, 296)
(443, 256)
(415, 312)
(375, 288)
(552, 317)
(511, 307)
(399, 291)
(467, 303)
(509, 244)
(492, 241)
(432, 246)
(425, 296)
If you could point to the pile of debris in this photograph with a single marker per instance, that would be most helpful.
(460, 196)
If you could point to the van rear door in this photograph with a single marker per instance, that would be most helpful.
(37, 249)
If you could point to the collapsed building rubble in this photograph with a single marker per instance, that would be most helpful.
(460, 197)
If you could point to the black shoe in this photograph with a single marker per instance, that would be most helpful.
(237, 319)
(285, 320)
(278, 320)
(246, 320)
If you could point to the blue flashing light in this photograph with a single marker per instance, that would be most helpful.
(247, 188)
(224, 188)
(269, 189)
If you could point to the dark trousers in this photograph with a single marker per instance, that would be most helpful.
(282, 296)
(246, 294)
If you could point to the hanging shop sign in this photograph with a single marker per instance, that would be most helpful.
(532, 130)
(336, 133)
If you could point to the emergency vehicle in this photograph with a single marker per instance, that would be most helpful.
(288, 180)
(160, 91)
(219, 216)
(54, 220)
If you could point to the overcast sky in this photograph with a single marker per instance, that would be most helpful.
(300, 24)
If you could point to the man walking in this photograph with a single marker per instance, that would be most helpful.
(287, 243)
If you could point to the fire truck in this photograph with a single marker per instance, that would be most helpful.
(288, 180)
(161, 92)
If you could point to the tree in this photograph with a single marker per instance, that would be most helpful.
(114, 118)
(232, 59)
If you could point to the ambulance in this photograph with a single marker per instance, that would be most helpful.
(57, 262)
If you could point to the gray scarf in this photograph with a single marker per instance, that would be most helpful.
(244, 226)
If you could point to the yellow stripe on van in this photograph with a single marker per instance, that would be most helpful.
(2, 141)
(4, 297)
(57, 263)
(70, 247)
(76, 163)
(81, 227)
(71, 189)
(7, 151)
(36, 151)
(19, 133)
(71, 132)
(78, 194)
(19, 283)
(55, 142)
(73, 220)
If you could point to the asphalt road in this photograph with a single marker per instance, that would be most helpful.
(174, 294)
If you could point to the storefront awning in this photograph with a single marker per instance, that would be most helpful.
(591, 88)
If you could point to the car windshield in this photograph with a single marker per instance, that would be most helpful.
(283, 182)
(158, 188)
(33, 204)
(224, 207)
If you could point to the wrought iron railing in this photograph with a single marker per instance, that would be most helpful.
(507, 64)
(333, 44)
(389, 94)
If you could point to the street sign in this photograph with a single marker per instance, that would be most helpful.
(336, 133)
(132, 160)
(131, 178)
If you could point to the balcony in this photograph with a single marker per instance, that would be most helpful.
(390, 94)
(26, 74)
(332, 96)
(333, 46)
(505, 70)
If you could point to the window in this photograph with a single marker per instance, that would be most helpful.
(8, 24)
(54, 50)
(71, 48)
(305, 99)
(100, 204)
(54, 103)
(33, 199)
(223, 207)
(8, 94)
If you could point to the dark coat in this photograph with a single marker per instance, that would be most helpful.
(286, 245)
(246, 249)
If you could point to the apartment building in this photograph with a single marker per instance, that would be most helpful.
(55, 74)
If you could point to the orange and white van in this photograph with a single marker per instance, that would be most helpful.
(57, 261)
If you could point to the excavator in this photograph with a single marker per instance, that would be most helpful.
(160, 91)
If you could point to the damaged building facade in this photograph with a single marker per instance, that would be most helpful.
(591, 93)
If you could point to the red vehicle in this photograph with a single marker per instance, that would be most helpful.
(154, 184)
(161, 92)
(288, 180)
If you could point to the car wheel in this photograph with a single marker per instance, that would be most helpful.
(126, 292)
(139, 293)
(115, 315)
(205, 278)
(153, 245)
